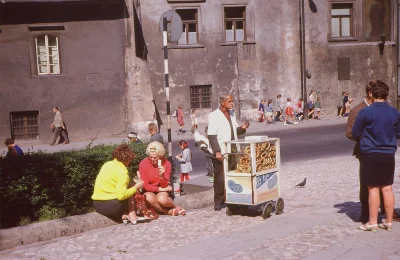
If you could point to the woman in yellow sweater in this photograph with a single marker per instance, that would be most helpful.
(112, 197)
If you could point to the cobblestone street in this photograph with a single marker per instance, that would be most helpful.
(317, 223)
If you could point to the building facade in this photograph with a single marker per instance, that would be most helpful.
(69, 54)
(251, 48)
(101, 61)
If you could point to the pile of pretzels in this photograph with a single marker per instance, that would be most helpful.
(265, 158)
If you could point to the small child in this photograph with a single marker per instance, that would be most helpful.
(194, 121)
(300, 109)
(317, 107)
(184, 158)
(289, 112)
(347, 106)
(269, 112)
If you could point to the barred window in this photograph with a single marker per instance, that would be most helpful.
(24, 125)
(200, 96)
(47, 55)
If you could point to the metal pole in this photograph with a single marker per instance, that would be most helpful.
(166, 77)
(303, 58)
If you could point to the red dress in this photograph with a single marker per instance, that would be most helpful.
(180, 117)
(150, 176)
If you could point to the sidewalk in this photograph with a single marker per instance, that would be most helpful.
(318, 223)
(255, 127)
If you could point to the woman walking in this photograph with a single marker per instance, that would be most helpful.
(378, 127)
(181, 122)
(311, 101)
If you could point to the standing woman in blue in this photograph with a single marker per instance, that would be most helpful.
(377, 127)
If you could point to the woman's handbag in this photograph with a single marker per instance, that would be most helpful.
(143, 208)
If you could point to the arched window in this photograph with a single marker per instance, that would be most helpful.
(47, 54)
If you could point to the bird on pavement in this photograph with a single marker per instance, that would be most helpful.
(301, 184)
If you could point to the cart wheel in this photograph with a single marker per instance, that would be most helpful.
(267, 211)
(229, 211)
(280, 204)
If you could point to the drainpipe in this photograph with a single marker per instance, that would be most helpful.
(303, 57)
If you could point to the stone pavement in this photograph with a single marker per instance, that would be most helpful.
(255, 127)
(318, 223)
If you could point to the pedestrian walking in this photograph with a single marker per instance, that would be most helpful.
(13, 149)
(311, 101)
(222, 127)
(154, 136)
(194, 121)
(261, 111)
(377, 127)
(347, 106)
(317, 108)
(278, 108)
(180, 120)
(340, 106)
(269, 112)
(184, 159)
(58, 126)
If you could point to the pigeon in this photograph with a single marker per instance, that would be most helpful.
(301, 184)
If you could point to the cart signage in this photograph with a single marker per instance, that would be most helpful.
(266, 187)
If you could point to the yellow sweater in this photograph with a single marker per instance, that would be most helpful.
(112, 182)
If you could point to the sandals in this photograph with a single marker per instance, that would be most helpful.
(182, 212)
(387, 226)
(368, 227)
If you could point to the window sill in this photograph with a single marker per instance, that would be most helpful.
(343, 39)
(49, 75)
(236, 43)
(187, 46)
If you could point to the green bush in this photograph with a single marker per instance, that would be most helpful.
(41, 186)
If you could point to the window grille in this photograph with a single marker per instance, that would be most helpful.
(47, 55)
(201, 96)
(24, 125)
(235, 24)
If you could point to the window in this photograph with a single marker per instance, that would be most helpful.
(47, 54)
(235, 24)
(342, 20)
(190, 26)
(24, 125)
(200, 96)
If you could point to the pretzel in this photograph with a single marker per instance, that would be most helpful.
(244, 160)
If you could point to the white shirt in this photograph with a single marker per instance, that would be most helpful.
(219, 125)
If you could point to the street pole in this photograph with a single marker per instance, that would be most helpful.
(166, 77)
(303, 58)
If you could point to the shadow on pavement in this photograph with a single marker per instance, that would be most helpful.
(350, 208)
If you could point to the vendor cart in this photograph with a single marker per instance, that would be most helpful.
(251, 168)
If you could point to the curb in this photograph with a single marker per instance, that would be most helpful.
(43, 231)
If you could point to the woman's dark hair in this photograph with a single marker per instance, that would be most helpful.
(311, 92)
(269, 101)
(301, 99)
(279, 95)
(379, 89)
(123, 153)
(8, 141)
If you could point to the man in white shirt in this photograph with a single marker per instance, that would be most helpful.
(222, 127)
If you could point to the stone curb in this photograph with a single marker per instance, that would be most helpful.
(43, 231)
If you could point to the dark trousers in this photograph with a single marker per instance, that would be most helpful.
(57, 132)
(364, 199)
(219, 182)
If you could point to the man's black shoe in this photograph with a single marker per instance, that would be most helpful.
(217, 207)
(396, 217)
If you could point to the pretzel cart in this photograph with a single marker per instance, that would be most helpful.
(251, 168)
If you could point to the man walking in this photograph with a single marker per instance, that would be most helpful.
(356, 152)
(222, 127)
(58, 126)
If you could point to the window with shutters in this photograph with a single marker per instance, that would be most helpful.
(47, 54)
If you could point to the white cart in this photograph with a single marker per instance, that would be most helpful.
(251, 169)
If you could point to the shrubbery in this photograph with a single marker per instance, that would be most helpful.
(41, 186)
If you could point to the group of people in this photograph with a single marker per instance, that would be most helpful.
(375, 126)
(289, 113)
(344, 106)
(115, 197)
(181, 122)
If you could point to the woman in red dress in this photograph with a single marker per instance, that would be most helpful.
(155, 171)
(181, 122)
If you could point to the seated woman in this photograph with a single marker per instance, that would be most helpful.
(155, 171)
(112, 197)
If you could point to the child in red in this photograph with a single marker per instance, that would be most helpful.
(289, 112)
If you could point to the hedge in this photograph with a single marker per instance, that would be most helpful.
(42, 186)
